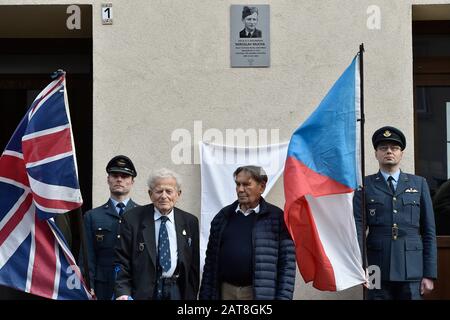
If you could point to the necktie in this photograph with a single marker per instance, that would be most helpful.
(164, 246)
(391, 184)
(121, 207)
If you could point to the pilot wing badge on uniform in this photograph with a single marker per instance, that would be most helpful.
(411, 190)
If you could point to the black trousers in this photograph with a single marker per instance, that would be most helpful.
(167, 289)
(393, 290)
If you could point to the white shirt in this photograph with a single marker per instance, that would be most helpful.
(170, 225)
(250, 210)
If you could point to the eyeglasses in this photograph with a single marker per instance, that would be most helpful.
(393, 148)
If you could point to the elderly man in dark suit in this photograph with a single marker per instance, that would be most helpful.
(157, 256)
(402, 238)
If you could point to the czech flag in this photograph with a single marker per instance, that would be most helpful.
(322, 171)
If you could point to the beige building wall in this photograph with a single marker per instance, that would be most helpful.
(164, 64)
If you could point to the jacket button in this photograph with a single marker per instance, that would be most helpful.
(394, 198)
(118, 236)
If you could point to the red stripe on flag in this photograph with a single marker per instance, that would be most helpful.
(56, 204)
(48, 145)
(51, 91)
(299, 180)
(13, 168)
(312, 260)
(44, 267)
(15, 219)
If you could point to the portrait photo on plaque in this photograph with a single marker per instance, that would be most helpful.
(250, 35)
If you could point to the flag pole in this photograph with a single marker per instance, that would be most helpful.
(363, 174)
(79, 218)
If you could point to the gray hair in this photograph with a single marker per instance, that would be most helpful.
(257, 173)
(161, 174)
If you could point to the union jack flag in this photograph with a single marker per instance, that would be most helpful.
(39, 179)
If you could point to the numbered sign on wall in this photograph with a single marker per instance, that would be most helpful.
(107, 13)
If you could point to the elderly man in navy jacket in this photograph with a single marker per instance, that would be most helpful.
(250, 254)
(401, 239)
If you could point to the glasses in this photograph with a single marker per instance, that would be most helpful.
(393, 148)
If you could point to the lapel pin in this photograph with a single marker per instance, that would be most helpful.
(372, 212)
(141, 246)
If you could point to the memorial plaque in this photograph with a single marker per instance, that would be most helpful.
(250, 35)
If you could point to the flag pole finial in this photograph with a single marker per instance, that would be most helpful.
(57, 73)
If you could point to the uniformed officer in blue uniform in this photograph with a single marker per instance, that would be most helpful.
(102, 225)
(401, 240)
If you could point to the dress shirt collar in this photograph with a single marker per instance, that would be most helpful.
(394, 175)
(158, 215)
(246, 213)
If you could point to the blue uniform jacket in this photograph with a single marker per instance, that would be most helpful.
(102, 226)
(411, 255)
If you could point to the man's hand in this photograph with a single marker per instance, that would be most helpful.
(426, 286)
(124, 297)
(367, 284)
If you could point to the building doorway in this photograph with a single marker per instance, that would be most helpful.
(36, 40)
(431, 64)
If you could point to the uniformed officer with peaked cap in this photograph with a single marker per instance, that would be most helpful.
(102, 225)
(401, 240)
(121, 164)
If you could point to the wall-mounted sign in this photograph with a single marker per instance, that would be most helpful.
(107, 13)
(250, 35)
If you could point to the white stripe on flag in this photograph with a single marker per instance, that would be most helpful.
(13, 154)
(16, 238)
(44, 132)
(43, 93)
(14, 208)
(58, 269)
(337, 233)
(53, 192)
(49, 159)
(32, 225)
